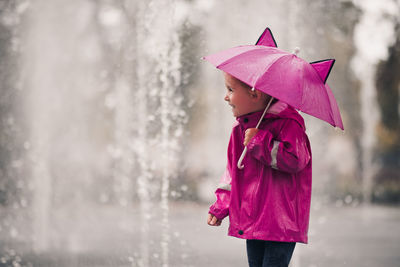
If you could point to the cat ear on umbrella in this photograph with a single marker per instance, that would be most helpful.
(323, 68)
(266, 39)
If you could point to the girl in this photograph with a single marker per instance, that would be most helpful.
(268, 201)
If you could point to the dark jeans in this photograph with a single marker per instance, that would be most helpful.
(262, 253)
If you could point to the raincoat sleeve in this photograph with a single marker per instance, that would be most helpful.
(289, 152)
(220, 208)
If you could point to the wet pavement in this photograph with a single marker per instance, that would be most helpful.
(109, 236)
(338, 236)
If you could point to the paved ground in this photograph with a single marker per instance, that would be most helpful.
(346, 236)
(110, 236)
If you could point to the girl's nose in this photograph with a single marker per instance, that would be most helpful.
(226, 98)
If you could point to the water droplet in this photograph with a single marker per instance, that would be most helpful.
(184, 188)
(174, 193)
(348, 199)
(110, 17)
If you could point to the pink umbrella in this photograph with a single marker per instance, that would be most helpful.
(282, 75)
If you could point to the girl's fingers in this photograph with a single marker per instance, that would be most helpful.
(249, 133)
(211, 219)
(214, 220)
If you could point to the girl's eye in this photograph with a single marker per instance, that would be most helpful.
(230, 89)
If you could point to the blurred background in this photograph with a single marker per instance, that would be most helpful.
(114, 132)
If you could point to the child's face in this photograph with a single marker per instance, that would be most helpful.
(240, 97)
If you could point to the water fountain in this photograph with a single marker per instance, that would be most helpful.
(103, 84)
(159, 80)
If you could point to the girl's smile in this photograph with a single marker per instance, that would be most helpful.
(241, 98)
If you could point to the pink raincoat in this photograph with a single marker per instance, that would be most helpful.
(269, 199)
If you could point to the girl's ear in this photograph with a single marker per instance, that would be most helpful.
(255, 94)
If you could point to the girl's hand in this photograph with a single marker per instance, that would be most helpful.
(213, 221)
(250, 133)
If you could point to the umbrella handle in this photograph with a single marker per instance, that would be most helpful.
(239, 163)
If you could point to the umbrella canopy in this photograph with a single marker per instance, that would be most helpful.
(283, 75)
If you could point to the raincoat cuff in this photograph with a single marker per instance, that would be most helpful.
(220, 214)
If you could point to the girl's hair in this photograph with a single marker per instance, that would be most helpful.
(251, 88)
(245, 85)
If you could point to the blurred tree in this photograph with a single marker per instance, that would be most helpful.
(387, 187)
